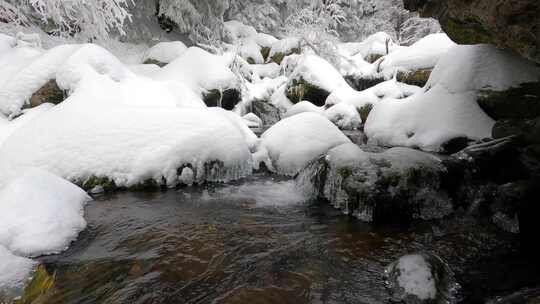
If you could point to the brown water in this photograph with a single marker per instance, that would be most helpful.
(260, 241)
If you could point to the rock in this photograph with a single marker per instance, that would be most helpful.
(530, 158)
(515, 103)
(226, 99)
(418, 78)
(50, 92)
(455, 145)
(360, 84)
(300, 90)
(265, 52)
(526, 296)
(513, 25)
(509, 127)
(156, 62)
(397, 185)
(421, 278)
(371, 58)
(267, 112)
(508, 200)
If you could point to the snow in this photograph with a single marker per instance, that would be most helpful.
(263, 89)
(238, 30)
(265, 40)
(423, 54)
(293, 142)
(165, 51)
(252, 120)
(249, 50)
(303, 107)
(14, 270)
(200, 71)
(415, 276)
(319, 72)
(9, 127)
(111, 135)
(427, 120)
(40, 213)
(270, 70)
(344, 116)
(448, 108)
(373, 45)
(477, 67)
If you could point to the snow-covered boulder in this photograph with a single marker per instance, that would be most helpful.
(164, 52)
(399, 184)
(313, 80)
(421, 278)
(424, 54)
(303, 107)
(208, 75)
(344, 116)
(292, 143)
(122, 133)
(40, 213)
(448, 109)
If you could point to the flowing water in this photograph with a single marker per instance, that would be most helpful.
(260, 241)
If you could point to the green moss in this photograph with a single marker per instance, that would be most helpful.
(94, 181)
(470, 32)
(36, 291)
(344, 172)
(300, 90)
(364, 112)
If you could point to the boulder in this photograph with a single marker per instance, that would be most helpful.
(513, 25)
(50, 92)
(267, 112)
(397, 185)
(418, 78)
(363, 83)
(522, 102)
(226, 99)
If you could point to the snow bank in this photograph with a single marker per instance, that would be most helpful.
(40, 213)
(448, 109)
(165, 51)
(423, 54)
(14, 270)
(293, 142)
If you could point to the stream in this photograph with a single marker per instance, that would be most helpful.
(260, 240)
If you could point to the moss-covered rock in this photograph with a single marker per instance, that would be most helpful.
(48, 93)
(417, 78)
(265, 52)
(278, 57)
(227, 99)
(516, 103)
(300, 90)
(96, 181)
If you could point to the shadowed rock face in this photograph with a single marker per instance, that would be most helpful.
(511, 24)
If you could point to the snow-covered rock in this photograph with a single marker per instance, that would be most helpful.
(303, 107)
(14, 272)
(423, 54)
(421, 278)
(164, 52)
(40, 213)
(284, 47)
(295, 141)
(448, 109)
(119, 130)
(395, 185)
(344, 116)
(377, 44)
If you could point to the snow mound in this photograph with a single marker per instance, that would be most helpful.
(476, 67)
(319, 72)
(40, 213)
(200, 71)
(303, 107)
(448, 109)
(344, 116)
(423, 54)
(14, 270)
(165, 51)
(129, 132)
(295, 141)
